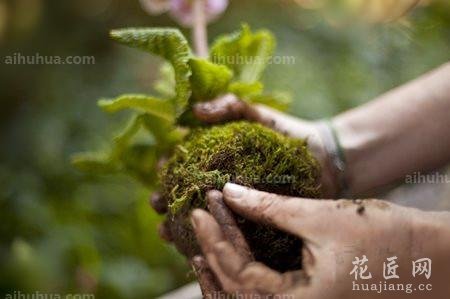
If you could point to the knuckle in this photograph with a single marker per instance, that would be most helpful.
(268, 205)
(220, 247)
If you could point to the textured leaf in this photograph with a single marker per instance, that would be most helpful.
(94, 163)
(238, 61)
(165, 84)
(245, 90)
(277, 100)
(139, 161)
(208, 80)
(253, 93)
(139, 157)
(123, 139)
(142, 103)
(244, 52)
(188, 119)
(168, 43)
(164, 132)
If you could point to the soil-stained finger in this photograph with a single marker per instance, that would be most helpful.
(208, 283)
(222, 109)
(250, 275)
(226, 220)
(164, 232)
(208, 234)
(158, 203)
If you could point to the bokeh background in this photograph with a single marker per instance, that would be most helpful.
(63, 232)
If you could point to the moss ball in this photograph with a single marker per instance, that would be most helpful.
(247, 154)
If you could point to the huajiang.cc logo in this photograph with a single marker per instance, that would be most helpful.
(361, 271)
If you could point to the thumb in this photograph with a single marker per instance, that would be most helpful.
(222, 109)
(298, 216)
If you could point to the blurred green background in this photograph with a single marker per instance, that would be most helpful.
(64, 232)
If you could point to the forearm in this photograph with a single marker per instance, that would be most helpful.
(403, 131)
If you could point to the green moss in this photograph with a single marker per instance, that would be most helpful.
(248, 154)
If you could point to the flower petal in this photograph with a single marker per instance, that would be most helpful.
(182, 10)
(155, 7)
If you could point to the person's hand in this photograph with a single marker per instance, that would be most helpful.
(334, 234)
(230, 108)
(206, 278)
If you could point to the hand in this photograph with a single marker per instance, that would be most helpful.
(206, 278)
(229, 108)
(334, 234)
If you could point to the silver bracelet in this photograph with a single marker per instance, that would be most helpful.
(336, 155)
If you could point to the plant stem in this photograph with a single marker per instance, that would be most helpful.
(199, 33)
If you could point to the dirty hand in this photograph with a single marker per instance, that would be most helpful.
(230, 108)
(335, 234)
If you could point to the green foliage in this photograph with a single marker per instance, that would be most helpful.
(246, 53)
(94, 163)
(165, 84)
(131, 153)
(142, 103)
(245, 90)
(278, 99)
(208, 80)
(153, 129)
(171, 45)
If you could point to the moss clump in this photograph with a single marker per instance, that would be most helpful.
(247, 154)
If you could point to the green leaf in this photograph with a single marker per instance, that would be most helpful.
(165, 84)
(139, 161)
(244, 52)
(123, 139)
(277, 100)
(94, 163)
(165, 133)
(137, 158)
(245, 90)
(142, 103)
(171, 45)
(189, 120)
(208, 80)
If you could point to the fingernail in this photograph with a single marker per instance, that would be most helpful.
(195, 218)
(202, 106)
(233, 190)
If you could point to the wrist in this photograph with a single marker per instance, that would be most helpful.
(358, 147)
(332, 160)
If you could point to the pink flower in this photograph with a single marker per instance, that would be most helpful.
(155, 7)
(182, 10)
